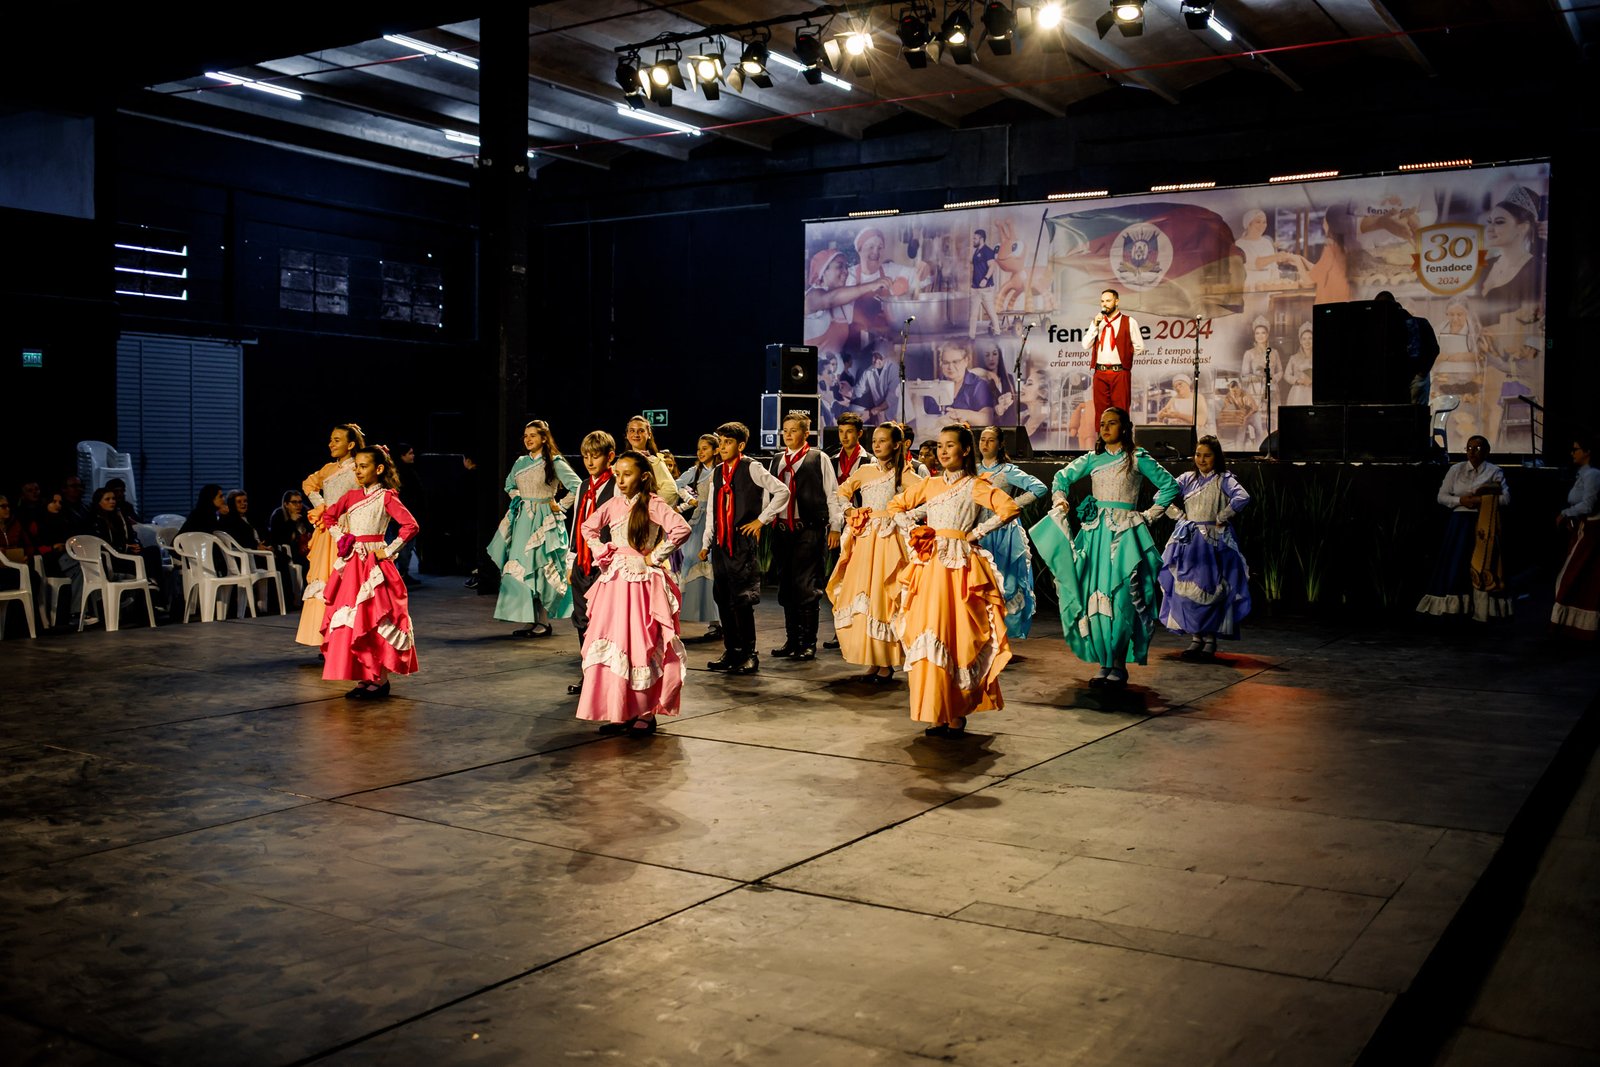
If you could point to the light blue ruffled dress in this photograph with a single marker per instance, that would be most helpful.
(1013, 560)
(530, 545)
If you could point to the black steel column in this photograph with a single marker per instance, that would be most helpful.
(501, 185)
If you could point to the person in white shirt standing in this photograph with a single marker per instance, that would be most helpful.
(1468, 577)
(1112, 340)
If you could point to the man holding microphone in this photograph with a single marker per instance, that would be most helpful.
(1112, 340)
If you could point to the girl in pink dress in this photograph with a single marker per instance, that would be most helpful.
(366, 633)
(632, 657)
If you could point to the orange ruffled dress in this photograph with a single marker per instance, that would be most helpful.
(865, 585)
(330, 483)
(952, 611)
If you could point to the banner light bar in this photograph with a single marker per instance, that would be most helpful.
(1090, 195)
(1436, 166)
(875, 213)
(1308, 176)
(989, 202)
(1182, 187)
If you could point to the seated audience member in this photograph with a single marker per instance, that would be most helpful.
(112, 525)
(28, 503)
(120, 487)
(49, 534)
(205, 516)
(73, 506)
(236, 523)
(14, 543)
(289, 534)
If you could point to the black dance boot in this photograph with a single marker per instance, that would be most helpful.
(750, 663)
(806, 637)
(791, 639)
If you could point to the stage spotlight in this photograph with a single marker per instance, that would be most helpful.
(1126, 15)
(999, 26)
(628, 73)
(665, 75)
(707, 71)
(1049, 17)
(808, 46)
(851, 47)
(957, 35)
(917, 45)
(753, 64)
(1196, 13)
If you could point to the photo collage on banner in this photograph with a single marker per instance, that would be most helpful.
(1229, 274)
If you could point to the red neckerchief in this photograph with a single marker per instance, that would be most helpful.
(585, 509)
(725, 505)
(789, 465)
(1111, 324)
(848, 461)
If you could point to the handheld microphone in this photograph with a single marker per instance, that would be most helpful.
(910, 319)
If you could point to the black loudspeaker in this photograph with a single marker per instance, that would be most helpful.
(791, 368)
(1016, 441)
(1395, 433)
(1311, 432)
(1360, 351)
(830, 440)
(1166, 442)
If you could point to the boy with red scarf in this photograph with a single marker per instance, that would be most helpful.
(599, 452)
(744, 498)
(807, 527)
(1112, 340)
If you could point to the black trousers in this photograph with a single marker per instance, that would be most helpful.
(736, 587)
(797, 555)
(581, 583)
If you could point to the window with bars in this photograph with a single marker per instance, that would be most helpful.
(313, 281)
(412, 293)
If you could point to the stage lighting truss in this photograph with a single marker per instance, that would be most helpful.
(956, 34)
(1126, 15)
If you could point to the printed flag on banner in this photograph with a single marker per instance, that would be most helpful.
(1163, 258)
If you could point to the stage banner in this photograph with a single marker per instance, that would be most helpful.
(1225, 276)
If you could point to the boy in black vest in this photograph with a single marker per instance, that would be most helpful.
(744, 497)
(599, 451)
(808, 525)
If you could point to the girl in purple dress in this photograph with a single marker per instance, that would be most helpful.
(1205, 583)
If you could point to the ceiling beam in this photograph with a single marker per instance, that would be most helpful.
(1406, 42)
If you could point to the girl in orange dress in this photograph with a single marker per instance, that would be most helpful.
(330, 483)
(866, 582)
(951, 620)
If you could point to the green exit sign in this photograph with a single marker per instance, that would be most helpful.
(32, 357)
(657, 416)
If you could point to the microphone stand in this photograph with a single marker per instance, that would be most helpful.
(1194, 444)
(905, 331)
(1020, 438)
(1268, 371)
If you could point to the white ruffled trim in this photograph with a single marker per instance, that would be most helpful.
(603, 652)
(1098, 604)
(401, 640)
(953, 552)
(555, 576)
(1576, 618)
(514, 569)
(537, 536)
(1194, 594)
(1018, 600)
(370, 586)
(861, 607)
(927, 646)
(1480, 605)
(344, 617)
(314, 590)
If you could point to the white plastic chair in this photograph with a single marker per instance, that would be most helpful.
(167, 518)
(54, 585)
(261, 564)
(94, 556)
(99, 462)
(23, 594)
(206, 576)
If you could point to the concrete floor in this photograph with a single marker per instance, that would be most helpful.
(207, 855)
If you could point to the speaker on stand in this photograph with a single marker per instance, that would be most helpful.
(791, 368)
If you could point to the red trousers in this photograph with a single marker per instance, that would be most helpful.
(1112, 388)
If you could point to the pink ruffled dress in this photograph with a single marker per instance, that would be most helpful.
(366, 632)
(632, 657)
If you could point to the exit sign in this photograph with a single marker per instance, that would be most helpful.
(656, 416)
(32, 357)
